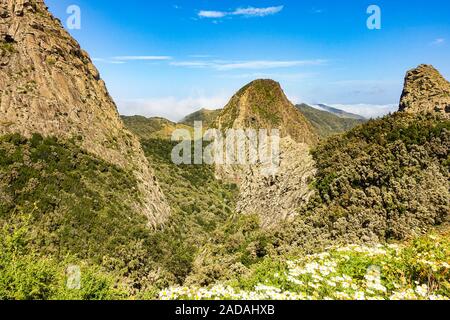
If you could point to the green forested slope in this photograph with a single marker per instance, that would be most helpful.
(386, 179)
(327, 123)
(77, 202)
(200, 204)
(207, 117)
(78, 205)
(148, 128)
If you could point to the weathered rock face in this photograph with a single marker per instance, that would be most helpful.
(48, 85)
(426, 90)
(274, 195)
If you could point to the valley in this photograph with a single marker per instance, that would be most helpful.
(356, 208)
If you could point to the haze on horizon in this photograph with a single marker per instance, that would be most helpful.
(171, 58)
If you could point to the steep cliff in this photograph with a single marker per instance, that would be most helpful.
(48, 85)
(425, 90)
(273, 193)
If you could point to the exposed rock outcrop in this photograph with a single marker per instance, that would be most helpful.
(49, 85)
(426, 90)
(274, 195)
(277, 196)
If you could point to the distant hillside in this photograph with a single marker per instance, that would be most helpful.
(338, 112)
(327, 123)
(151, 128)
(204, 115)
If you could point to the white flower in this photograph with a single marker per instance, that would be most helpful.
(438, 297)
(360, 295)
(331, 283)
(317, 278)
(314, 285)
(295, 281)
(341, 295)
(422, 290)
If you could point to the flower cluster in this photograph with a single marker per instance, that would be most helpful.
(382, 272)
(222, 292)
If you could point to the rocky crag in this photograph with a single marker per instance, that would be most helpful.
(425, 90)
(49, 85)
(273, 195)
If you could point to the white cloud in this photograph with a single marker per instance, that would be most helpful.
(101, 60)
(175, 109)
(258, 12)
(142, 58)
(248, 65)
(438, 42)
(247, 12)
(367, 110)
(212, 14)
(317, 11)
(170, 108)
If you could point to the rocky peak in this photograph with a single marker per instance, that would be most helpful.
(20, 7)
(273, 195)
(49, 85)
(262, 104)
(426, 90)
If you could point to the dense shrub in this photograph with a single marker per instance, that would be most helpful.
(79, 205)
(26, 274)
(200, 204)
(232, 249)
(416, 270)
(82, 206)
(386, 179)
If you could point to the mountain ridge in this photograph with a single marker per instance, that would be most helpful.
(262, 104)
(207, 117)
(425, 90)
(338, 112)
(50, 86)
(327, 123)
(153, 127)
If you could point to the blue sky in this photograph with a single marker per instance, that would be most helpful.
(169, 58)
